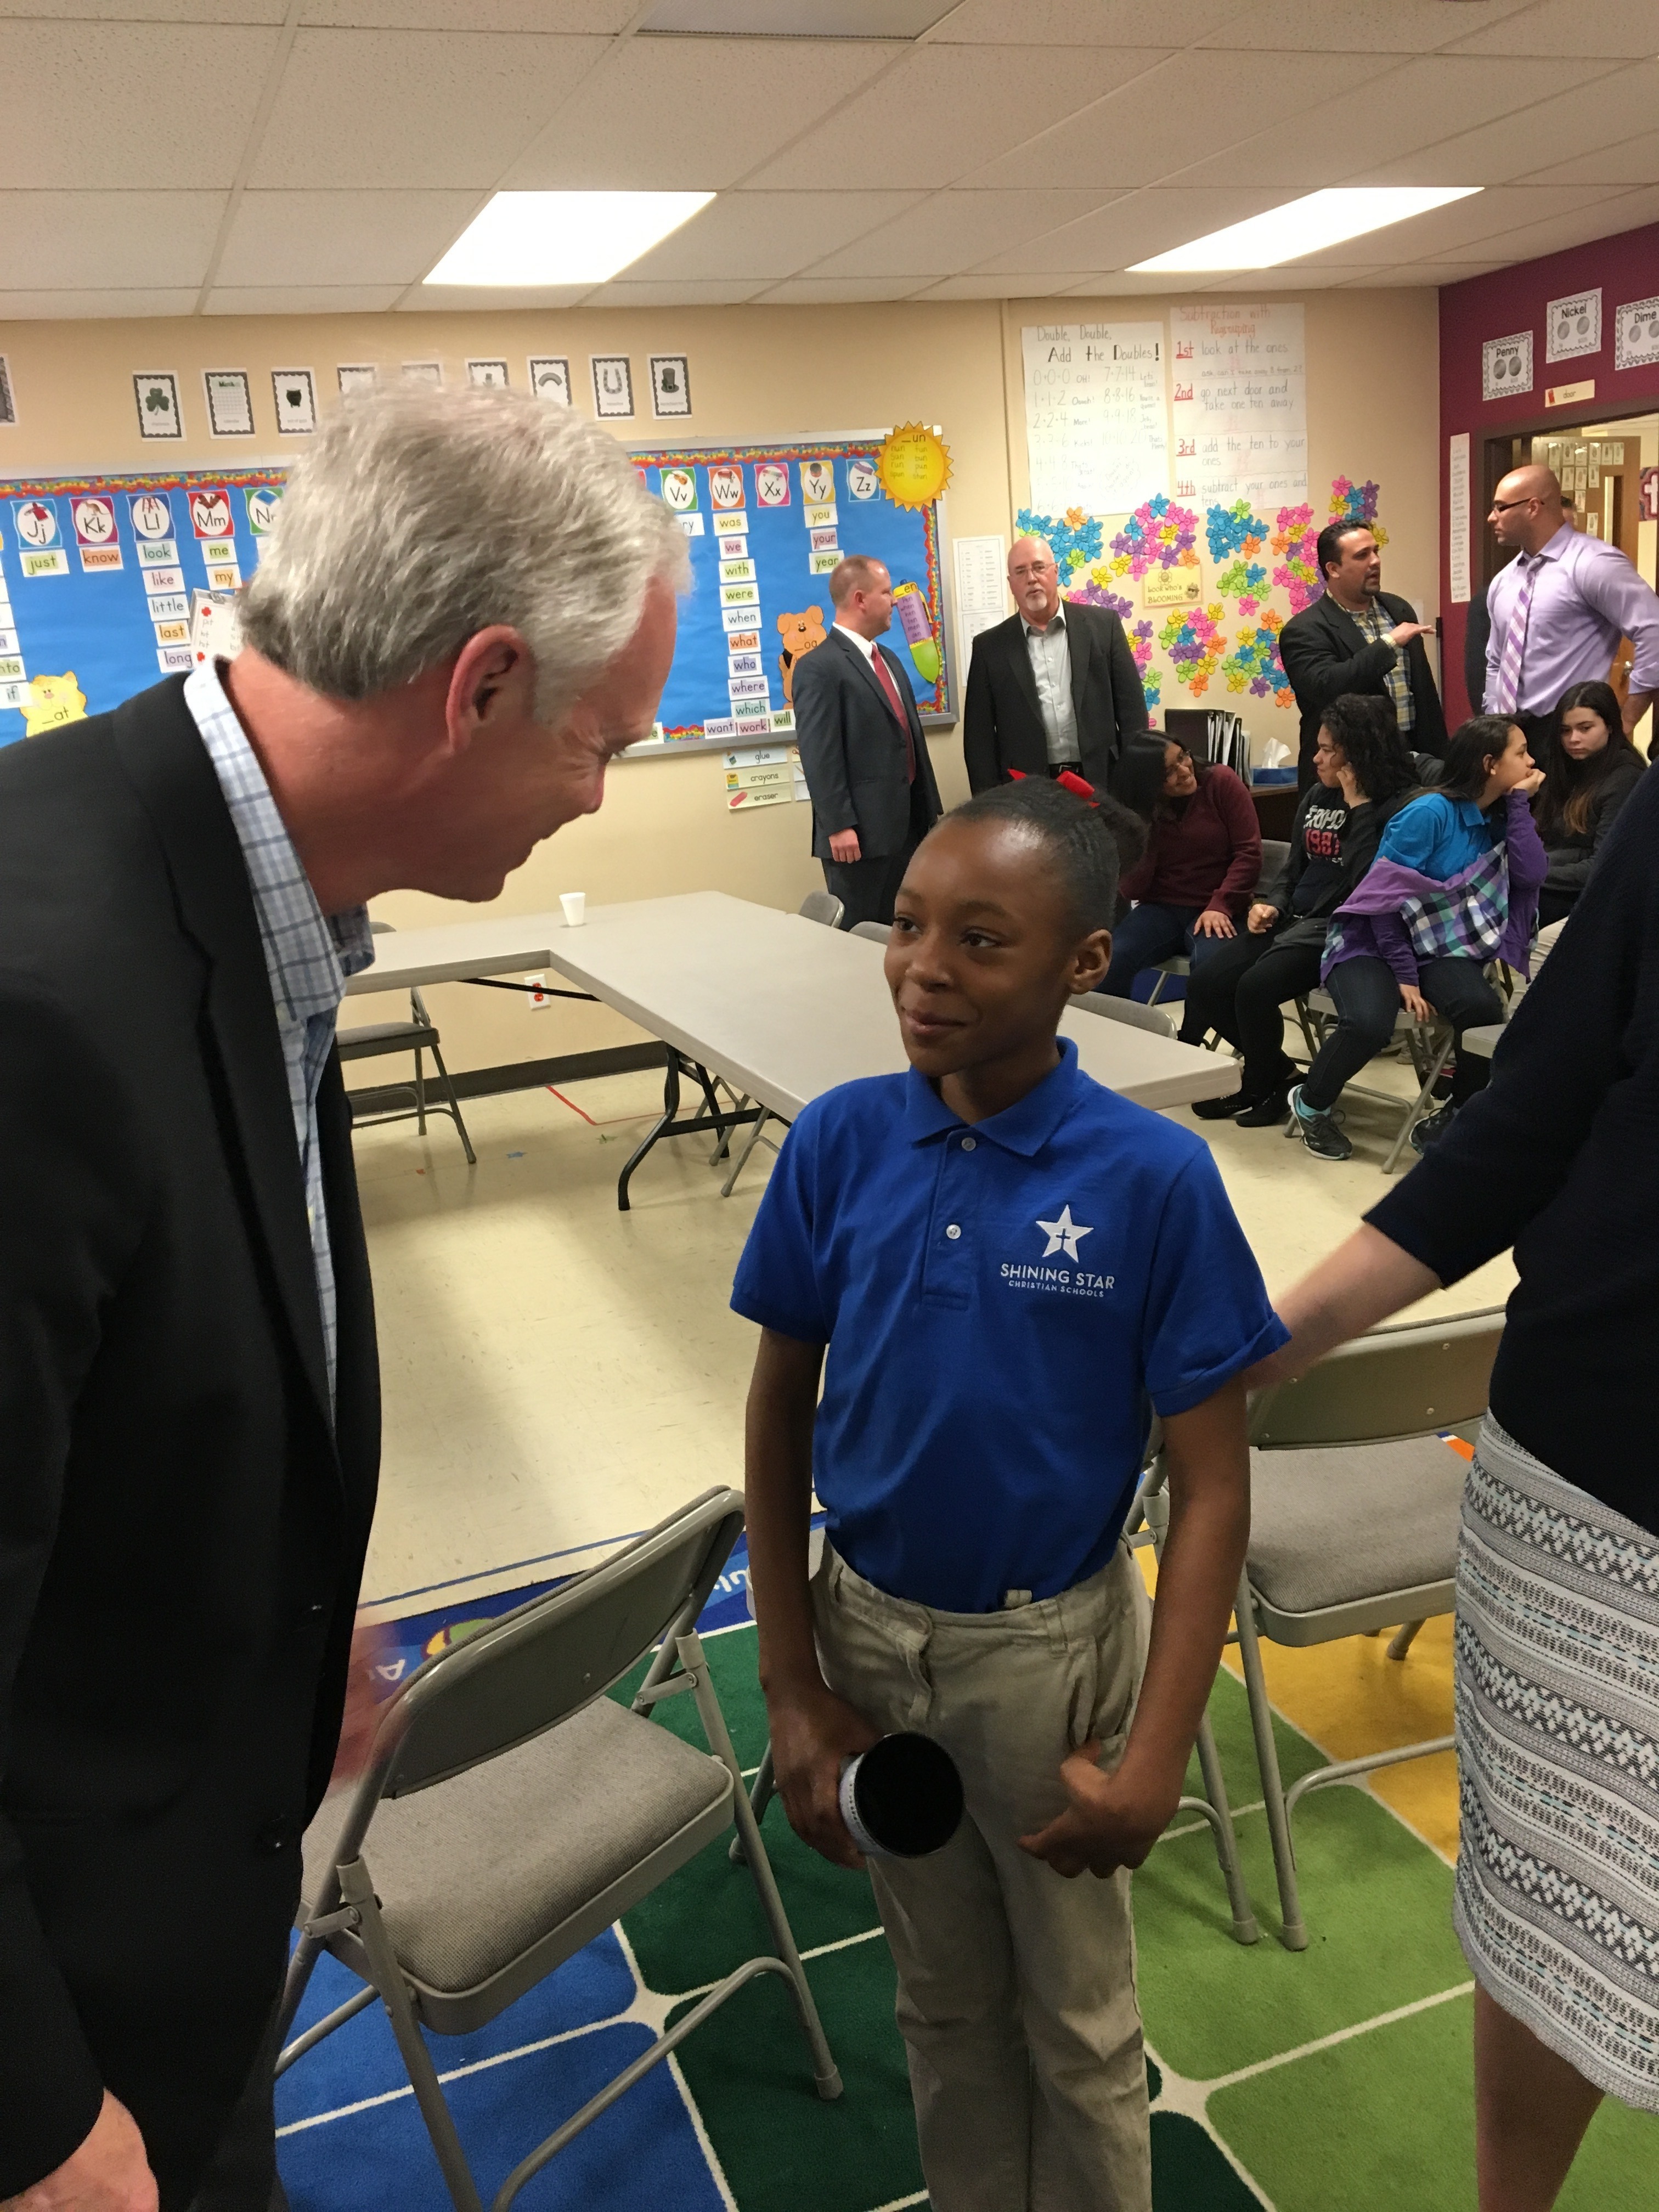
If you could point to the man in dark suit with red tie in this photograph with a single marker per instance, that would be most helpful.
(865, 759)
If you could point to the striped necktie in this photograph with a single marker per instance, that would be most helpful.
(1515, 637)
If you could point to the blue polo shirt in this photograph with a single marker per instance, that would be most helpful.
(1001, 1303)
(1440, 836)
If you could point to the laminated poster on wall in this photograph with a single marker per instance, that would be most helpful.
(99, 579)
(782, 518)
(1238, 403)
(1095, 424)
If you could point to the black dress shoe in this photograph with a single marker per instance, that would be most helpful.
(1268, 1112)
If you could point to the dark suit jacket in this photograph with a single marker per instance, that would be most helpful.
(1002, 723)
(1326, 652)
(181, 1533)
(852, 749)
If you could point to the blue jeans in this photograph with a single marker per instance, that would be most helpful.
(1150, 933)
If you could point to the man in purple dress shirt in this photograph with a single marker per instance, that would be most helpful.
(1560, 608)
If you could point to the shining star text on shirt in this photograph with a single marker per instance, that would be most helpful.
(1076, 1282)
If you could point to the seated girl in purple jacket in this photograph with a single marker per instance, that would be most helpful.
(1455, 884)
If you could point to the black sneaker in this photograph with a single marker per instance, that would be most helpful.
(1431, 1128)
(1317, 1131)
(1217, 1110)
(1267, 1113)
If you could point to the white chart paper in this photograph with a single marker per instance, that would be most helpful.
(1239, 404)
(1457, 513)
(981, 578)
(1096, 431)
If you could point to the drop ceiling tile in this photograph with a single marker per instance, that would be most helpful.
(691, 114)
(900, 20)
(1633, 161)
(1567, 105)
(1467, 224)
(450, 298)
(831, 291)
(97, 104)
(765, 234)
(1404, 26)
(1603, 218)
(1135, 228)
(73, 306)
(82, 240)
(942, 110)
(1406, 274)
(1063, 23)
(416, 108)
(688, 292)
(149, 11)
(1570, 27)
(341, 238)
(1127, 138)
(1043, 285)
(604, 18)
(955, 231)
(301, 299)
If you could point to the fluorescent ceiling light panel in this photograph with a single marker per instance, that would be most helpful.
(527, 239)
(1305, 226)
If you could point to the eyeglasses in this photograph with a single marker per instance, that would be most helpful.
(1503, 506)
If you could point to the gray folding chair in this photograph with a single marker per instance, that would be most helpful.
(547, 1810)
(877, 932)
(418, 1035)
(1125, 1009)
(821, 906)
(1427, 1046)
(1355, 1505)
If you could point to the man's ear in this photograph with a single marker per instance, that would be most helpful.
(493, 681)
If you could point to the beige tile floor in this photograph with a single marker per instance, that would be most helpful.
(557, 1374)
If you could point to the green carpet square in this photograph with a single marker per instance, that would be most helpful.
(1378, 1903)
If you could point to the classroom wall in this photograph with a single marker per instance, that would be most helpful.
(1500, 305)
(755, 372)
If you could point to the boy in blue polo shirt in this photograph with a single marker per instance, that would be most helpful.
(1006, 1264)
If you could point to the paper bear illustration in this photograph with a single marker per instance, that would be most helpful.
(50, 701)
(800, 633)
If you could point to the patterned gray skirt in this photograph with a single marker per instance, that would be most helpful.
(1558, 1750)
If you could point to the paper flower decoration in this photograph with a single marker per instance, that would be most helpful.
(1075, 538)
(1157, 535)
(1353, 503)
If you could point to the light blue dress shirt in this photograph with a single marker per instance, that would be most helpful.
(307, 957)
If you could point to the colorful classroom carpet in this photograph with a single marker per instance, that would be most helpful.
(1338, 2078)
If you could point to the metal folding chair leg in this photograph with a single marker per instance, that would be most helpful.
(1294, 1937)
(1403, 1638)
(358, 1891)
(454, 1105)
(742, 1161)
(759, 1798)
(1428, 1066)
(1212, 1807)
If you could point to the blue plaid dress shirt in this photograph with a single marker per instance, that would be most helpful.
(307, 957)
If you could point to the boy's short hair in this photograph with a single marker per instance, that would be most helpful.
(1088, 844)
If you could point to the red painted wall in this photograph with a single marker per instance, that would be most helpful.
(1496, 306)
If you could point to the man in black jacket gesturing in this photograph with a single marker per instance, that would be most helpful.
(1053, 687)
(1359, 638)
(467, 606)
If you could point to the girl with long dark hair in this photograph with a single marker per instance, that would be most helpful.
(1590, 769)
(1454, 885)
(1202, 857)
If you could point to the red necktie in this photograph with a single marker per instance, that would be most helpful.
(884, 677)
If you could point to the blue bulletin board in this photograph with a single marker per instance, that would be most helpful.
(98, 576)
(765, 525)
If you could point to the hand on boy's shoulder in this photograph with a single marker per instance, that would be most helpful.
(1104, 1826)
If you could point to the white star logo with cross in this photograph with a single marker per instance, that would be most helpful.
(1063, 1235)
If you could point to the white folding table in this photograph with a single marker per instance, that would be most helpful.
(778, 1007)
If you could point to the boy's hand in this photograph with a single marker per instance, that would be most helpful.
(1108, 1823)
(812, 1732)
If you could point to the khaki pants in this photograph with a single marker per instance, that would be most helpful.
(1016, 1988)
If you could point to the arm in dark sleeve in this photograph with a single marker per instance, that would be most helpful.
(1128, 693)
(70, 1202)
(822, 745)
(1511, 1148)
(1318, 673)
(979, 720)
(1237, 810)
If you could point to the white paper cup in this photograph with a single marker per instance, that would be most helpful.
(575, 907)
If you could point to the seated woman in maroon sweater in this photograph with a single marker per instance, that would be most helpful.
(1203, 857)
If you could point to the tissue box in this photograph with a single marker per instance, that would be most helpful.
(1267, 779)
